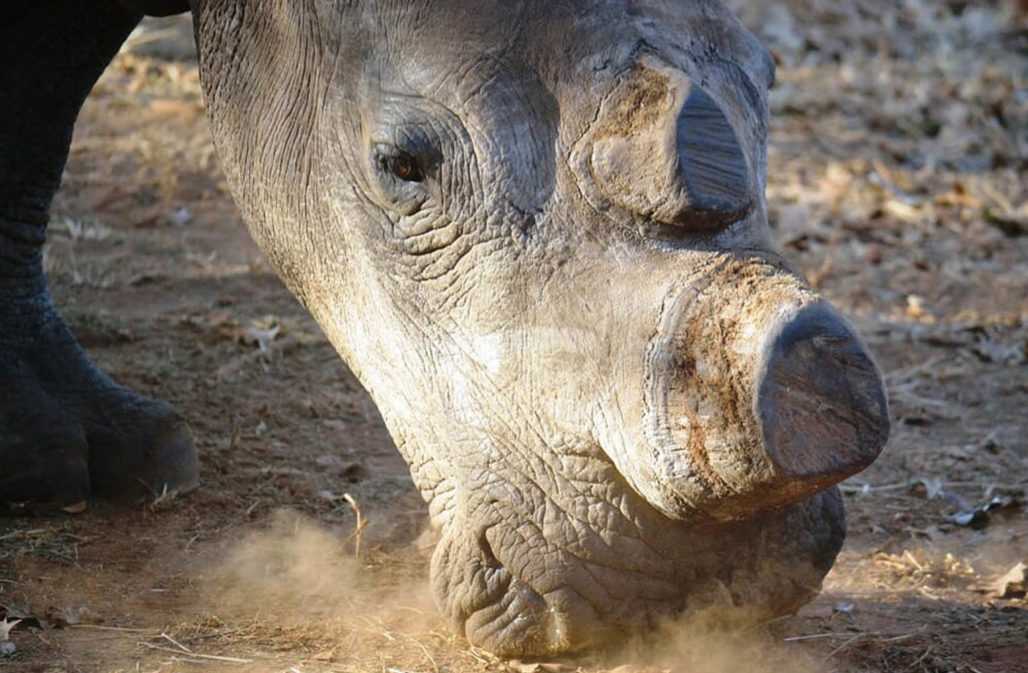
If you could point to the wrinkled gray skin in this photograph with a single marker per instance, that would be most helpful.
(509, 314)
(536, 231)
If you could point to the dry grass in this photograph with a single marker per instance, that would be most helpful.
(55, 542)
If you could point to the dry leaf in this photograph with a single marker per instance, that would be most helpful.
(261, 338)
(76, 508)
(1013, 584)
(537, 666)
(6, 627)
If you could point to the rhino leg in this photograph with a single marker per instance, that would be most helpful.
(67, 431)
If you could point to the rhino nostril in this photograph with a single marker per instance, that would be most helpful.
(486, 548)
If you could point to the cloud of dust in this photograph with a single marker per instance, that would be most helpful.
(708, 643)
(296, 585)
(298, 571)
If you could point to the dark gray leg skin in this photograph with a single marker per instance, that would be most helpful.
(66, 430)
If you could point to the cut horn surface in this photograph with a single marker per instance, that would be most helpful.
(664, 150)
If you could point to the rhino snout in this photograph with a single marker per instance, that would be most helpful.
(758, 395)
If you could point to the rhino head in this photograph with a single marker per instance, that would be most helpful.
(537, 233)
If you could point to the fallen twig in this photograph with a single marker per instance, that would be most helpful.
(358, 531)
(813, 636)
(176, 643)
(23, 533)
(846, 644)
(97, 627)
(187, 660)
(868, 488)
(922, 657)
(818, 636)
(211, 657)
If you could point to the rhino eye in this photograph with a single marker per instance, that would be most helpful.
(401, 182)
(406, 168)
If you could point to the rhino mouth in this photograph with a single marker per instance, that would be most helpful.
(564, 589)
(516, 619)
(555, 570)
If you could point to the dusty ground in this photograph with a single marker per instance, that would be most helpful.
(898, 165)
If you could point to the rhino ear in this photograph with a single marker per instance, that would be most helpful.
(157, 7)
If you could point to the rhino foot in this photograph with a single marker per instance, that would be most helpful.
(68, 432)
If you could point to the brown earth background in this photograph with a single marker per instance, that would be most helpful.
(897, 183)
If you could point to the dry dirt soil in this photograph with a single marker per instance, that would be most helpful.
(898, 184)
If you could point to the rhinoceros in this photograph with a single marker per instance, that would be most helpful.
(536, 230)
